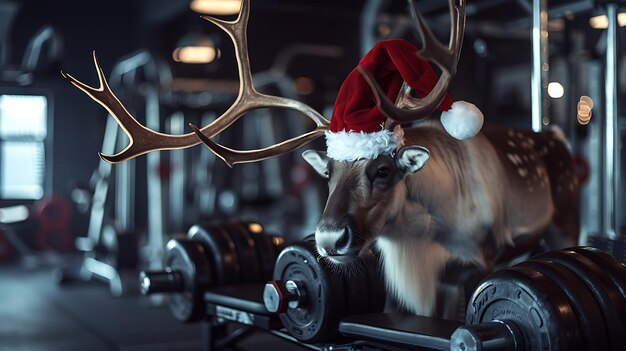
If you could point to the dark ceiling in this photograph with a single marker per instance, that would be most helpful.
(116, 28)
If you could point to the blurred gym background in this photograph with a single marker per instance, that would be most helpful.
(74, 231)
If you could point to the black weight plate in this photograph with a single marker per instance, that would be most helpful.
(614, 268)
(221, 251)
(588, 313)
(189, 258)
(246, 251)
(376, 295)
(355, 280)
(266, 253)
(318, 318)
(530, 300)
(608, 297)
(568, 324)
(278, 243)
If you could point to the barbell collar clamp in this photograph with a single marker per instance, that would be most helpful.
(166, 281)
(279, 296)
(489, 336)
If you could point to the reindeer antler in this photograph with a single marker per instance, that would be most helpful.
(406, 107)
(144, 140)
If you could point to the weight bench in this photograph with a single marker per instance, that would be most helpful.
(243, 304)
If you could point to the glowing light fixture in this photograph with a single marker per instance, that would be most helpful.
(255, 228)
(216, 7)
(13, 214)
(602, 22)
(555, 90)
(583, 110)
(195, 49)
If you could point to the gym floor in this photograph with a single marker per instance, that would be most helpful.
(36, 313)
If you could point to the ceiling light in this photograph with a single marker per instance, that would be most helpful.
(216, 7)
(195, 49)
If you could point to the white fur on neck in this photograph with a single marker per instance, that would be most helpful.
(412, 267)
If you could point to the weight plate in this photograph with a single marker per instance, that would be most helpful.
(278, 243)
(190, 259)
(530, 300)
(607, 296)
(376, 294)
(221, 251)
(356, 293)
(317, 319)
(614, 268)
(246, 251)
(266, 254)
(588, 313)
(373, 292)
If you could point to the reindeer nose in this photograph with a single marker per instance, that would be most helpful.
(342, 245)
(334, 242)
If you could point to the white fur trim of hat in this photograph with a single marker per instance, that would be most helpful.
(352, 146)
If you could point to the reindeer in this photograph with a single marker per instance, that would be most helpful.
(434, 200)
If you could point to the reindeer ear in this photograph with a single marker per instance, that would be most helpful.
(411, 158)
(317, 160)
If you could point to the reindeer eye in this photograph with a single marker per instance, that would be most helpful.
(382, 172)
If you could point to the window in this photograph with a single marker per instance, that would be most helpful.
(23, 131)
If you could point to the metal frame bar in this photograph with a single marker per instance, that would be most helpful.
(610, 151)
(539, 62)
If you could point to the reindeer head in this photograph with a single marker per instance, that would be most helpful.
(361, 189)
(361, 197)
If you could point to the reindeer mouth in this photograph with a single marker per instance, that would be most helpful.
(338, 258)
(341, 259)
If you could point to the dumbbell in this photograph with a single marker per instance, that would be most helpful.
(216, 254)
(572, 299)
(311, 296)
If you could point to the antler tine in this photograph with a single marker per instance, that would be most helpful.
(445, 58)
(232, 157)
(104, 96)
(144, 140)
(250, 99)
(406, 107)
(237, 30)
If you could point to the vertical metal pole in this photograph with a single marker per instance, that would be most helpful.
(177, 177)
(539, 62)
(368, 24)
(610, 170)
(156, 220)
(124, 190)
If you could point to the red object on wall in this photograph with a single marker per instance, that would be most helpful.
(53, 215)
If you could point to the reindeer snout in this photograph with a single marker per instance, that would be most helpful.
(336, 242)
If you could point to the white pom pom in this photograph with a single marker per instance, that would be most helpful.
(463, 120)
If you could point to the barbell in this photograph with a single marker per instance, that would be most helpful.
(214, 254)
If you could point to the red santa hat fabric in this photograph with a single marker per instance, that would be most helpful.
(356, 130)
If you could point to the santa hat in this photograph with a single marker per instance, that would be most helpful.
(356, 127)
